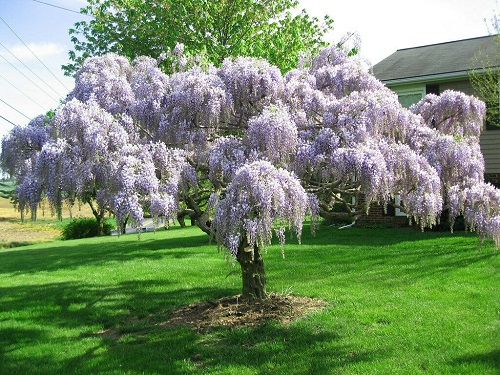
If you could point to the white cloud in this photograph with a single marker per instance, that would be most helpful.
(42, 50)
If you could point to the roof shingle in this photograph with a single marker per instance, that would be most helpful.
(435, 59)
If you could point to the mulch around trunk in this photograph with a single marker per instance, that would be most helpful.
(223, 312)
(234, 312)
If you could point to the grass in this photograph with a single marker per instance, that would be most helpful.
(399, 302)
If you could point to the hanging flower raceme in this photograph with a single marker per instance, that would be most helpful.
(105, 79)
(252, 84)
(150, 87)
(54, 170)
(416, 181)
(147, 176)
(274, 135)
(20, 147)
(345, 78)
(198, 103)
(480, 205)
(226, 157)
(260, 198)
(90, 127)
(306, 102)
(452, 112)
(29, 193)
(454, 158)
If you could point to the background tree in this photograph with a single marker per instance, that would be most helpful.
(485, 75)
(258, 28)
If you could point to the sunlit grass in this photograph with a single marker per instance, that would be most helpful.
(399, 302)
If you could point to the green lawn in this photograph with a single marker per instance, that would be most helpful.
(399, 302)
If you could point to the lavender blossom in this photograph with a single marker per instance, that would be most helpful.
(259, 198)
(452, 112)
(274, 135)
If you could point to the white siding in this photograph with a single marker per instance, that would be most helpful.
(490, 147)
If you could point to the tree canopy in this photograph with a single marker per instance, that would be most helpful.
(485, 76)
(273, 30)
(247, 151)
(487, 86)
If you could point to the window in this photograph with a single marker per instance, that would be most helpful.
(397, 201)
(394, 211)
(411, 96)
(432, 89)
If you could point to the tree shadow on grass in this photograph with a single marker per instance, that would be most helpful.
(70, 254)
(116, 329)
(265, 349)
(491, 360)
(384, 256)
(11, 339)
(74, 304)
(274, 348)
(75, 315)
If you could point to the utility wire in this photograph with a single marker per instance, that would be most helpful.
(41, 62)
(28, 78)
(14, 109)
(56, 6)
(22, 92)
(3, 118)
(32, 72)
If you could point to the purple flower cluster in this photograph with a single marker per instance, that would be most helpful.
(150, 86)
(20, 147)
(274, 135)
(259, 198)
(226, 157)
(197, 104)
(452, 112)
(29, 194)
(252, 84)
(455, 157)
(105, 79)
(480, 205)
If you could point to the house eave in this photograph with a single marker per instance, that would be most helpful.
(434, 78)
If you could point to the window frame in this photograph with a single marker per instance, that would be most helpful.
(421, 90)
(398, 211)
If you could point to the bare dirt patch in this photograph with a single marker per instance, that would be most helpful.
(233, 311)
(13, 232)
(224, 312)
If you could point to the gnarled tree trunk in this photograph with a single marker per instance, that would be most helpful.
(252, 271)
(99, 216)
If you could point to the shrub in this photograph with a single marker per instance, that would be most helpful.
(84, 228)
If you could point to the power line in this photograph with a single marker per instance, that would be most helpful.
(32, 72)
(3, 118)
(56, 6)
(25, 76)
(41, 62)
(21, 91)
(3, 101)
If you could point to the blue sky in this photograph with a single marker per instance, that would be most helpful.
(384, 26)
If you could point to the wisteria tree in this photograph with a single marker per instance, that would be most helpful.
(247, 151)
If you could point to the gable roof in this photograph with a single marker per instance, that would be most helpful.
(436, 60)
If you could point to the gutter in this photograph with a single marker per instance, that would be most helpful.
(438, 77)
